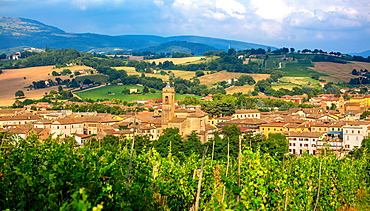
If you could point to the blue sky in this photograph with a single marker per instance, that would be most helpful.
(331, 25)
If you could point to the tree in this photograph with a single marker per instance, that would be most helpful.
(19, 93)
(145, 90)
(355, 72)
(60, 89)
(87, 81)
(315, 76)
(276, 144)
(364, 114)
(192, 145)
(54, 73)
(199, 73)
(169, 141)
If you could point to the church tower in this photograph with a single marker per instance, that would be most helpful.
(168, 105)
(341, 106)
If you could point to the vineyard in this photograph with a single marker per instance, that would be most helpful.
(57, 175)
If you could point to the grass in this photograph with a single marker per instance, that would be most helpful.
(102, 93)
(299, 80)
(298, 70)
(284, 86)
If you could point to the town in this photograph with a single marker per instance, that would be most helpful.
(308, 130)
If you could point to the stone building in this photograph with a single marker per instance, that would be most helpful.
(185, 120)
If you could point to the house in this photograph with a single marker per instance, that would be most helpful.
(300, 142)
(14, 57)
(133, 90)
(244, 124)
(207, 98)
(273, 128)
(353, 134)
(247, 114)
(333, 141)
(62, 127)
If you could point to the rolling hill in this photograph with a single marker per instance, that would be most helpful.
(16, 32)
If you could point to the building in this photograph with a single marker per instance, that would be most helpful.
(353, 136)
(186, 120)
(301, 142)
(247, 114)
(168, 105)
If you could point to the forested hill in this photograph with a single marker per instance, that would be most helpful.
(15, 32)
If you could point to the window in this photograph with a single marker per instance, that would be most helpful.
(300, 152)
(346, 146)
(314, 152)
(305, 145)
(293, 151)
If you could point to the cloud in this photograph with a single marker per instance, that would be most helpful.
(249, 20)
(273, 10)
(232, 8)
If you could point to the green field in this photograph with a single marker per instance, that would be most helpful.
(102, 93)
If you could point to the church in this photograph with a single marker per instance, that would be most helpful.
(184, 119)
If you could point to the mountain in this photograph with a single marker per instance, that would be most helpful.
(364, 54)
(16, 32)
(180, 46)
(217, 43)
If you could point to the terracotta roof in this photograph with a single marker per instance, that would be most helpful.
(304, 134)
(209, 127)
(177, 120)
(246, 111)
(251, 121)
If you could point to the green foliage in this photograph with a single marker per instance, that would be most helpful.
(315, 76)
(169, 142)
(364, 114)
(96, 78)
(199, 73)
(19, 93)
(218, 109)
(54, 174)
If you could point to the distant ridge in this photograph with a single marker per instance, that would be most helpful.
(363, 54)
(16, 32)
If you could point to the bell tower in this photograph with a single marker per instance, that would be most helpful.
(341, 106)
(168, 105)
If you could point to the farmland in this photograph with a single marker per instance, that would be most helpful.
(12, 80)
(178, 60)
(210, 79)
(339, 72)
(102, 93)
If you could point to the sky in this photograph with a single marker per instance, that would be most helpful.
(330, 25)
